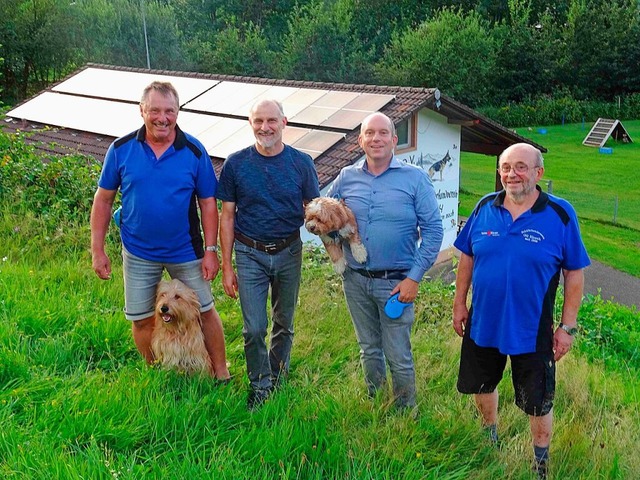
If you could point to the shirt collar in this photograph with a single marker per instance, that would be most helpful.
(179, 142)
(395, 163)
(538, 206)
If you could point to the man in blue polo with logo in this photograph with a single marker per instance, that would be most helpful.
(514, 247)
(164, 175)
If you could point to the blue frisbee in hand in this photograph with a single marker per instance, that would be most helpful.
(394, 307)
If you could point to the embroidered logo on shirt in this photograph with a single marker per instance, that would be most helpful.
(533, 236)
(490, 233)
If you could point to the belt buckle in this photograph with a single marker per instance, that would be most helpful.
(270, 247)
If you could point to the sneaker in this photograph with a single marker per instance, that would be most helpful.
(540, 468)
(256, 398)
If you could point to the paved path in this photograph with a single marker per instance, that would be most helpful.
(614, 285)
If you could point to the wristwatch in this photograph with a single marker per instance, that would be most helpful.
(570, 330)
(211, 248)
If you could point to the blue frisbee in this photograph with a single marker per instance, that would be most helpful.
(116, 216)
(394, 307)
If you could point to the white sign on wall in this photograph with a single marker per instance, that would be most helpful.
(438, 152)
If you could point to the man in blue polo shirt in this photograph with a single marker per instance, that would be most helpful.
(400, 225)
(164, 175)
(514, 246)
(263, 189)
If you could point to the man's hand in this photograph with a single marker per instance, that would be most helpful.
(101, 265)
(210, 265)
(229, 281)
(562, 342)
(408, 290)
(460, 317)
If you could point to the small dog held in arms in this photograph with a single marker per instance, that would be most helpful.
(177, 341)
(334, 223)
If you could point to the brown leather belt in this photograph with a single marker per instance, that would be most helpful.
(272, 247)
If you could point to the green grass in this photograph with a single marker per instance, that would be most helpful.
(591, 181)
(77, 402)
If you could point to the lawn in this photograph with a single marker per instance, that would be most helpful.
(603, 188)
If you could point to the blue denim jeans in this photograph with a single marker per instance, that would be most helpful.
(380, 337)
(141, 278)
(257, 272)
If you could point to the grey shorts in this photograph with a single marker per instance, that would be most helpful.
(141, 278)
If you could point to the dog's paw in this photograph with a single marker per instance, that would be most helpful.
(339, 266)
(359, 252)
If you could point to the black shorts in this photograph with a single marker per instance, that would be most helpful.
(533, 375)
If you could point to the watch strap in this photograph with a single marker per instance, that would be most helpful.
(570, 330)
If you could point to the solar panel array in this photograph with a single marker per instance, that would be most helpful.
(106, 102)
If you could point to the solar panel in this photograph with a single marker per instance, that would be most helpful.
(234, 142)
(98, 116)
(318, 141)
(369, 102)
(313, 115)
(196, 123)
(290, 135)
(224, 98)
(85, 102)
(219, 132)
(128, 86)
(346, 119)
(336, 99)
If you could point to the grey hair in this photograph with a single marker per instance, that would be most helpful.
(164, 88)
(267, 100)
(539, 158)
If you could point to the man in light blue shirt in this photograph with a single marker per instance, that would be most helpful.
(400, 225)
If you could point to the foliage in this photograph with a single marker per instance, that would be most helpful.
(602, 42)
(36, 37)
(316, 32)
(562, 107)
(520, 57)
(57, 188)
(453, 52)
(610, 333)
(235, 51)
(120, 26)
(481, 52)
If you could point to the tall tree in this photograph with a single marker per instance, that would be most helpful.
(521, 56)
(235, 51)
(320, 45)
(453, 52)
(602, 44)
(36, 36)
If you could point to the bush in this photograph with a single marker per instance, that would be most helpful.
(56, 188)
(562, 107)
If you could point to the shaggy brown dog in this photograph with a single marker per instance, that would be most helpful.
(177, 341)
(334, 223)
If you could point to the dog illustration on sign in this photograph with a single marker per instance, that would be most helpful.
(439, 166)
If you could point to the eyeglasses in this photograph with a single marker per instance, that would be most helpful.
(518, 167)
